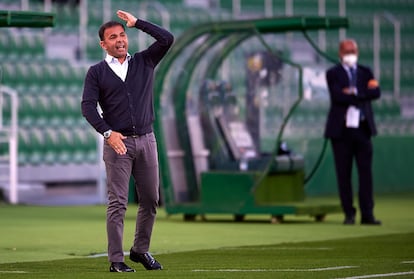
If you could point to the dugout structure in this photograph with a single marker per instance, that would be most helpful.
(221, 135)
(26, 19)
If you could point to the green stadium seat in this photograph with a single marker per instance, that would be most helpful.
(50, 153)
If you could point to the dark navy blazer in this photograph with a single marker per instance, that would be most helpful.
(337, 79)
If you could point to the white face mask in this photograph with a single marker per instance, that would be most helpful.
(350, 59)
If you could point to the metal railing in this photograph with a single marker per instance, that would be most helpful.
(397, 49)
(9, 130)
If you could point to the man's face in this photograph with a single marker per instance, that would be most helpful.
(348, 52)
(348, 47)
(115, 42)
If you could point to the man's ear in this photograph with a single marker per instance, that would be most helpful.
(102, 43)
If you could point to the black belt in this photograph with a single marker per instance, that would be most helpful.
(137, 136)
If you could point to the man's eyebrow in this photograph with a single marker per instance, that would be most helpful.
(115, 35)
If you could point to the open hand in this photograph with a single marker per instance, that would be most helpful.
(117, 143)
(129, 18)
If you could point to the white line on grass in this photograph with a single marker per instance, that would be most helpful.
(98, 255)
(379, 275)
(12, 271)
(276, 248)
(276, 270)
(106, 254)
(331, 268)
(407, 262)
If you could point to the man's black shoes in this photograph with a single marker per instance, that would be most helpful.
(349, 220)
(370, 221)
(146, 260)
(120, 267)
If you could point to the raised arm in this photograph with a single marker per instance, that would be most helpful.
(163, 38)
(127, 17)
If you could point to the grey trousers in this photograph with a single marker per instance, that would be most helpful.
(141, 161)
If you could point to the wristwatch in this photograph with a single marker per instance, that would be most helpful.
(107, 134)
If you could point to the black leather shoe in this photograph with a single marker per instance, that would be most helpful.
(120, 267)
(349, 220)
(146, 260)
(370, 221)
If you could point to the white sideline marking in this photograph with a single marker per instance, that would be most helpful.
(106, 254)
(275, 270)
(331, 268)
(12, 271)
(277, 248)
(98, 255)
(407, 262)
(379, 275)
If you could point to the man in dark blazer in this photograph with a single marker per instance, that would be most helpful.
(350, 126)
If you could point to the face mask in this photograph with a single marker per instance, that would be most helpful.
(350, 59)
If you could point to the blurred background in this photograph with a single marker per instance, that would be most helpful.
(58, 158)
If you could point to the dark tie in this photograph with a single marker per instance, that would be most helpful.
(352, 81)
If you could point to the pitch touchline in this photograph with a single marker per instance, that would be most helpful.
(379, 275)
(277, 248)
(275, 270)
(12, 271)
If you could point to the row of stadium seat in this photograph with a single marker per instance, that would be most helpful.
(38, 72)
(49, 110)
(300, 127)
(18, 43)
(52, 145)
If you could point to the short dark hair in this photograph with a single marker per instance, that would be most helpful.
(106, 25)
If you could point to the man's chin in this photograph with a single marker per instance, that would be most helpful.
(121, 54)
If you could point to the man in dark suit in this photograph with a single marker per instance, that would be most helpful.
(350, 126)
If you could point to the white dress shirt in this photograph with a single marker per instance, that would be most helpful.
(119, 69)
(353, 114)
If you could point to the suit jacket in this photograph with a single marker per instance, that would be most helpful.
(337, 79)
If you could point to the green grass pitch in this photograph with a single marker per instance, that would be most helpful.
(69, 242)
